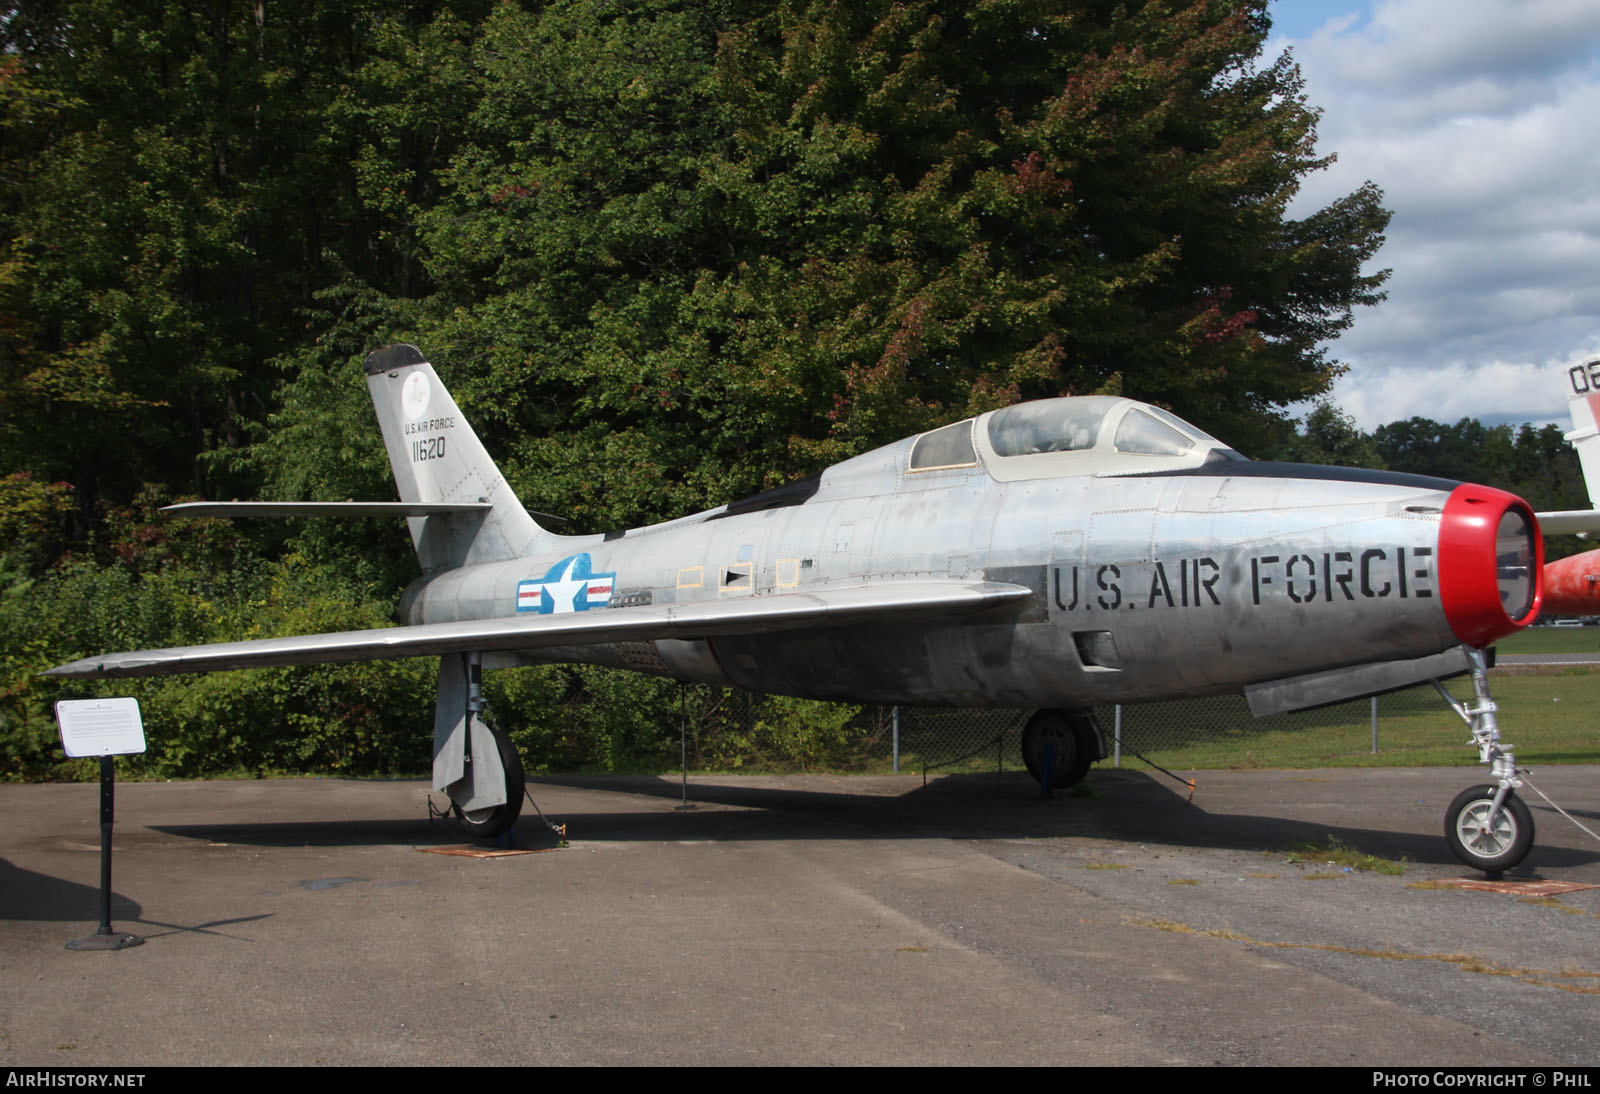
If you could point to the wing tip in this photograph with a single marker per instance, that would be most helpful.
(72, 669)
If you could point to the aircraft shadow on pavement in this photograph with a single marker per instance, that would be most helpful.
(32, 896)
(1127, 806)
(27, 894)
(418, 831)
(1121, 805)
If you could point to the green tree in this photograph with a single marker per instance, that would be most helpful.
(687, 251)
(762, 236)
(1330, 436)
(1469, 450)
(180, 181)
(1536, 464)
(663, 253)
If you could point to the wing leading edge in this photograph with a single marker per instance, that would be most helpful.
(895, 602)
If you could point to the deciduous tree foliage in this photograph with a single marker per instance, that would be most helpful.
(686, 251)
(664, 253)
(1536, 464)
(762, 235)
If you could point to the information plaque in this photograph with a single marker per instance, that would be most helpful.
(100, 727)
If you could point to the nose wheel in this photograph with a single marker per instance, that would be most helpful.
(1487, 827)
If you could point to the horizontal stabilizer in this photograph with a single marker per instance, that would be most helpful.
(885, 602)
(324, 508)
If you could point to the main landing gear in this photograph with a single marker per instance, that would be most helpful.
(496, 820)
(1060, 744)
(1487, 827)
(474, 762)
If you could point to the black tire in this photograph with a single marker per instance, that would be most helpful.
(1077, 746)
(1477, 846)
(498, 819)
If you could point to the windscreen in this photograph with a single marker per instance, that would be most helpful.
(1053, 425)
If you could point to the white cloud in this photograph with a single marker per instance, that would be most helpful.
(1477, 118)
(1413, 46)
(1494, 391)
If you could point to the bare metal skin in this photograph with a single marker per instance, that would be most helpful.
(1055, 555)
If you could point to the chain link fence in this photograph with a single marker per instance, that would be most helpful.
(1549, 715)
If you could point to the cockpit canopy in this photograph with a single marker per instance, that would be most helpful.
(1085, 435)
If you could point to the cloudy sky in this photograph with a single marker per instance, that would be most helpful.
(1480, 119)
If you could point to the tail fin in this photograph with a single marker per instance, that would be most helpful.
(436, 457)
(1583, 400)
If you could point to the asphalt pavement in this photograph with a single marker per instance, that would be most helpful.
(800, 920)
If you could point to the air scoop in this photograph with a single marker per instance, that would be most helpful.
(1491, 559)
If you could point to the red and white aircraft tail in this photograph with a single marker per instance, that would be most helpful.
(1572, 585)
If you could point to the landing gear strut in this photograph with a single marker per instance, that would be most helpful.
(1487, 827)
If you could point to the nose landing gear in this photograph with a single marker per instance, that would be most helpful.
(1487, 827)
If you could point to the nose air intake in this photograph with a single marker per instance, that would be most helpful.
(1491, 559)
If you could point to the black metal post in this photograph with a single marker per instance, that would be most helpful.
(108, 796)
(105, 938)
(683, 742)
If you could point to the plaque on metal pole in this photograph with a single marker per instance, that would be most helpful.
(106, 728)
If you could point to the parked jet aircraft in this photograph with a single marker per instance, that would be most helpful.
(1050, 555)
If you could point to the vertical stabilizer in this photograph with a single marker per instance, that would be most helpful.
(1583, 400)
(436, 457)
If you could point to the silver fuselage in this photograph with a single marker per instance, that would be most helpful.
(1146, 586)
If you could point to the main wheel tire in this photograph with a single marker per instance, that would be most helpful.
(1475, 843)
(1076, 742)
(497, 819)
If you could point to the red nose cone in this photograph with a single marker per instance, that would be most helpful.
(1572, 585)
(1490, 560)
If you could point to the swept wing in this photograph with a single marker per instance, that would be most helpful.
(884, 602)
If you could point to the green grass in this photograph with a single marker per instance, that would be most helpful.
(1339, 854)
(1548, 715)
(1552, 640)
